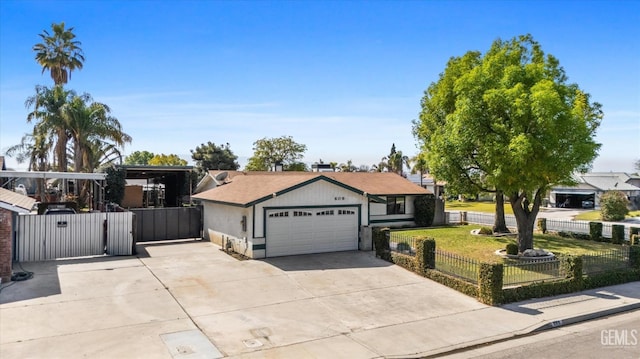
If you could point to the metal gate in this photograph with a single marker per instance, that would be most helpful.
(46, 237)
(158, 224)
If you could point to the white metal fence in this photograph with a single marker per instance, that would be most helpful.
(46, 237)
(555, 225)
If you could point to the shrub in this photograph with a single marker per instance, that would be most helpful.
(542, 225)
(381, 242)
(634, 257)
(614, 206)
(425, 209)
(403, 246)
(425, 254)
(490, 283)
(595, 230)
(486, 231)
(617, 234)
(512, 249)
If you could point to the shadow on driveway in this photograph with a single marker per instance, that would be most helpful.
(326, 261)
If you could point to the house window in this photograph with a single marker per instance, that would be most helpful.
(395, 205)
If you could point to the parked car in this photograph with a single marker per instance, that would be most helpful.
(587, 204)
(60, 211)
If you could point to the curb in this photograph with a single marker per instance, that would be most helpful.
(526, 332)
(585, 317)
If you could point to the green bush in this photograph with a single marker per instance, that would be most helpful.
(540, 290)
(595, 231)
(542, 225)
(617, 234)
(485, 231)
(614, 206)
(403, 260)
(611, 277)
(634, 257)
(425, 254)
(458, 284)
(381, 242)
(403, 246)
(571, 266)
(512, 249)
(490, 283)
(424, 210)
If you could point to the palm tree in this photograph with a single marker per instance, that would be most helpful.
(397, 161)
(419, 165)
(47, 106)
(94, 133)
(34, 148)
(59, 53)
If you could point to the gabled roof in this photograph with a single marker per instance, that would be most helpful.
(15, 202)
(254, 187)
(609, 181)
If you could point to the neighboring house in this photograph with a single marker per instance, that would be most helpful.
(268, 214)
(427, 181)
(590, 186)
(214, 178)
(11, 203)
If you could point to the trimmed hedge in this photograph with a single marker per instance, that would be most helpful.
(458, 284)
(489, 289)
(595, 230)
(634, 257)
(490, 283)
(617, 234)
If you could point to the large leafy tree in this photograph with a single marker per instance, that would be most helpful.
(508, 121)
(59, 53)
(210, 156)
(167, 160)
(269, 151)
(139, 158)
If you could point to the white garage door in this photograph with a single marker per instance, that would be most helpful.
(316, 230)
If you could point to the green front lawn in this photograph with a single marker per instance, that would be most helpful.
(459, 240)
(595, 215)
(472, 206)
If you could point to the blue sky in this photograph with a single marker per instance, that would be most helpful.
(345, 78)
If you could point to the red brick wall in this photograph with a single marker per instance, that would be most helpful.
(5, 244)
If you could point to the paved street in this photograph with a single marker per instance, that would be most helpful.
(188, 297)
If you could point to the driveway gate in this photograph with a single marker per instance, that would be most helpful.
(46, 237)
(158, 224)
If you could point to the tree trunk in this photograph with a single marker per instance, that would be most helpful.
(500, 224)
(525, 217)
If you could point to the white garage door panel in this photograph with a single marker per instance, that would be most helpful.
(303, 231)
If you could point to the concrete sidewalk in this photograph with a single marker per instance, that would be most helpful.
(188, 299)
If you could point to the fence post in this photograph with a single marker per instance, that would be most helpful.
(463, 217)
(490, 279)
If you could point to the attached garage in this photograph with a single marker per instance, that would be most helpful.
(271, 214)
(311, 230)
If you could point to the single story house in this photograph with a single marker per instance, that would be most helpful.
(590, 186)
(269, 214)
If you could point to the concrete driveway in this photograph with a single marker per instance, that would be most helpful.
(188, 299)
